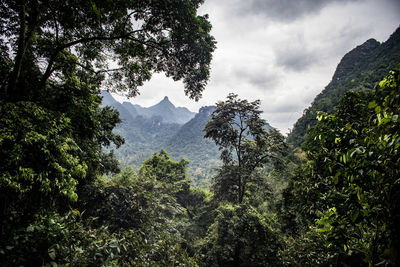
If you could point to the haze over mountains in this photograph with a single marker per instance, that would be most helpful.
(164, 109)
(164, 126)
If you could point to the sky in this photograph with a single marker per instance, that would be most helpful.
(283, 52)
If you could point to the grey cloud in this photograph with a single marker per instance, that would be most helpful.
(258, 77)
(295, 54)
(296, 60)
(285, 10)
(283, 108)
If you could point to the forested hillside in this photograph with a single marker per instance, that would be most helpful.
(359, 70)
(153, 129)
(66, 201)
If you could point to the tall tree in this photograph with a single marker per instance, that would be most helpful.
(54, 58)
(246, 144)
(125, 41)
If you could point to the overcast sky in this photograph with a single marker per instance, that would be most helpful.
(283, 52)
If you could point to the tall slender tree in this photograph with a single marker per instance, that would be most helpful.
(246, 144)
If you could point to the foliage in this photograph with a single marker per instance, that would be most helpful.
(246, 144)
(40, 165)
(38, 152)
(240, 236)
(52, 240)
(54, 57)
(139, 38)
(163, 168)
(309, 249)
(359, 70)
(353, 175)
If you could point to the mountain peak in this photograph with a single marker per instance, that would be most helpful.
(356, 59)
(166, 102)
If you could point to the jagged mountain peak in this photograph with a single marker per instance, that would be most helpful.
(165, 102)
(164, 109)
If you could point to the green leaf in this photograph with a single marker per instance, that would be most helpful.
(372, 104)
(354, 216)
(336, 178)
(52, 253)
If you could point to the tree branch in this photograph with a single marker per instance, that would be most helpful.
(21, 49)
(58, 49)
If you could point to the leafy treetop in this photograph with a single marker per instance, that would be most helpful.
(124, 41)
(246, 144)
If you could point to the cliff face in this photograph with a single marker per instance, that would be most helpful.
(359, 70)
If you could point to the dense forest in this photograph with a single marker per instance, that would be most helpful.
(326, 196)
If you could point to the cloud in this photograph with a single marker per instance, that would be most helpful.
(286, 10)
(295, 54)
(258, 77)
(283, 52)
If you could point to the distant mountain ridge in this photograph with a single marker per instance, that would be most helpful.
(164, 109)
(359, 70)
(164, 126)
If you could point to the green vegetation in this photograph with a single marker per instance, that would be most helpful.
(332, 202)
(347, 186)
(245, 144)
(359, 70)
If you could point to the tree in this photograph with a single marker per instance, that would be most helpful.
(125, 41)
(161, 167)
(54, 58)
(353, 175)
(56, 55)
(246, 144)
(239, 236)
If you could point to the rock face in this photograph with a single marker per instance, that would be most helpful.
(359, 70)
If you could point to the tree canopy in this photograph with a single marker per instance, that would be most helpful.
(44, 42)
(348, 185)
(55, 57)
(246, 144)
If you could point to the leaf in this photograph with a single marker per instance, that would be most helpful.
(95, 9)
(52, 253)
(372, 104)
(76, 212)
(335, 179)
(355, 216)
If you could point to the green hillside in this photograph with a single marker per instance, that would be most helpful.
(359, 70)
(144, 136)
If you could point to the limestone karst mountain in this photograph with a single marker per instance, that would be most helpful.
(359, 70)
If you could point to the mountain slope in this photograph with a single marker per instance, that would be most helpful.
(359, 70)
(148, 130)
(189, 143)
(124, 114)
